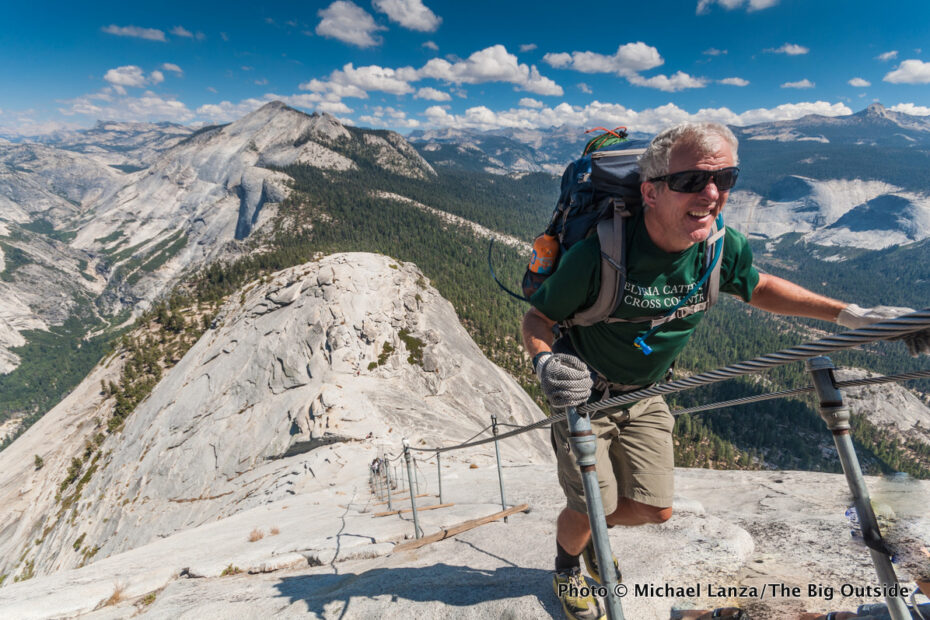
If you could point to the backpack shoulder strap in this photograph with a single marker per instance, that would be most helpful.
(713, 282)
(611, 234)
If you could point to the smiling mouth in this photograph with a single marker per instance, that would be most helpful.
(699, 214)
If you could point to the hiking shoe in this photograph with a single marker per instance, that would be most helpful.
(590, 562)
(575, 595)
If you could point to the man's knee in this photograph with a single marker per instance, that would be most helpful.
(573, 519)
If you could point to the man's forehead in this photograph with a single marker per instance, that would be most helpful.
(692, 150)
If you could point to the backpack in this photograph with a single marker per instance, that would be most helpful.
(600, 191)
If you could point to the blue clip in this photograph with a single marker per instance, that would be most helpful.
(640, 344)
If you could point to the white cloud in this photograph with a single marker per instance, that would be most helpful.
(734, 81)
(305, 101)
(411, 14)
(430, 45)
(26, 127)
(791, 49)
(169, 66)
(528, 47)
(910, 72)
(349, 23)
(678, 81)
(156, 77)
(805, 83)
(703, 6)
(181, 31)
(334, 90)
(584, 88)
(150, 34)
(261, 82)
(352, 82)
(713, 51)
(224, 36)
(150, 107)
(334, 107)
(887, 56)
(859, 82)
(609, 114)
(492, 64)
(910, 108)
(381, 116)
(629, 59)
(225, 111)
(432, 94)
(130, 75)
(529, 102)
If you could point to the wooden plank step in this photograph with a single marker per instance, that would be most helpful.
(419, 509)
(458, 529)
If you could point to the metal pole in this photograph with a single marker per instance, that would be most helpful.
(500, 474)
(836, 415)
(413, 500)
(387, 483)
(439, 476)
(584, 445)
(416, 476)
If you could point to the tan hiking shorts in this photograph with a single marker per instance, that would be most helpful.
(635, 458)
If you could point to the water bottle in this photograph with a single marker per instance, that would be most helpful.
(545, 251)
(542, 263)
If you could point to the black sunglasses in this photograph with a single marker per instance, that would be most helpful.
(693, 181)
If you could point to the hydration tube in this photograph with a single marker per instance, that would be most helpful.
(640, 342)
(493, 275)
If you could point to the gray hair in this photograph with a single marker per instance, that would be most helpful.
(705, 136)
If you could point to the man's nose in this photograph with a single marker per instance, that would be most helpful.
(710, 190)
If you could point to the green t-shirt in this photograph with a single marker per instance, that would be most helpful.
(656, 281)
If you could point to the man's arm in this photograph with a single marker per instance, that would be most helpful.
(537, 332)
(564, 379)
(782, 297)
(774, 294)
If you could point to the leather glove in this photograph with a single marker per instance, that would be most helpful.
(854, 317)
(565, 379)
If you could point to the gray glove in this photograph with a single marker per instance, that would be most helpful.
(854, 317)
(565, 379)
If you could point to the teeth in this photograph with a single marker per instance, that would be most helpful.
(698, 213)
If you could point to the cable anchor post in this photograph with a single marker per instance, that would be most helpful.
(387, 484)
(439, 476)
(500, 471)
(584, 446)
(836, 415)
(418, 533)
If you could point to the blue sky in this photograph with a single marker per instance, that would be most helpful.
(408, 64)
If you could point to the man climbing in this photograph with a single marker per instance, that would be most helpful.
(687, 172)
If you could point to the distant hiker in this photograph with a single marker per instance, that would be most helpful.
(376, 467)
(686, 174)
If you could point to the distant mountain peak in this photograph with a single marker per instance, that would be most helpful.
(876, 110)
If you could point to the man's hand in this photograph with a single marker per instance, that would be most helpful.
(565, 379)
(854, 317)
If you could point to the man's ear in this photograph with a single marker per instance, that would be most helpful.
(649, 191)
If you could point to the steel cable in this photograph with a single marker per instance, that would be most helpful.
(885, 330)
(920, 374)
